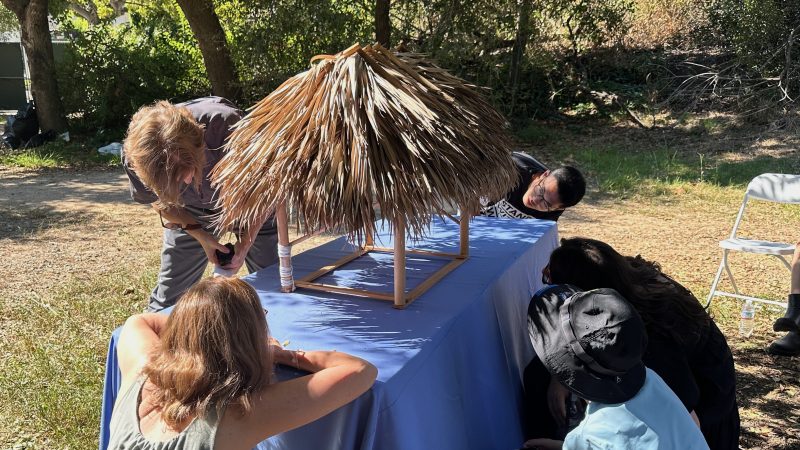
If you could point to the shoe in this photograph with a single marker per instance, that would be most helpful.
(788, 345)
(791, 320)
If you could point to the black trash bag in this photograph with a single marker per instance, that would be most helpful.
(9, 138)
(40, 139)
(21, 127)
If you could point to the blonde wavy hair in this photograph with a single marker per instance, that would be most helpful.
(213, 351)
(164, 144)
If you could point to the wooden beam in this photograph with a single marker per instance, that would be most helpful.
(400, 297)
(450, 216)
(331, 267)
(418, 252)
(399, 264)
(344, 290)
(433, 279)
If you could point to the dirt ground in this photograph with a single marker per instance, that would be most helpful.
(66, 225)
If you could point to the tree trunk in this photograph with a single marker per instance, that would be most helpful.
(383, 24)
(206, 28)
(35, 37)
(523, 34)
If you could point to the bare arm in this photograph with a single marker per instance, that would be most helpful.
(339, 378)
(176, 214)
(140, 335)
(246, 240)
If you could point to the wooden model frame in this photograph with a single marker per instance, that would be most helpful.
(401, 298)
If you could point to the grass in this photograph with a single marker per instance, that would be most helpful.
(625, 167)
(52, 372)
(78, 153)
(53, 343)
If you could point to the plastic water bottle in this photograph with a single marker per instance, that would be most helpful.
(748, 318)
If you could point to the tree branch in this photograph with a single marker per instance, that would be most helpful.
(87, 12)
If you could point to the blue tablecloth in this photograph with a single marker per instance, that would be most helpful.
(450, 364)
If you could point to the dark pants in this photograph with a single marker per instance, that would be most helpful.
(183, 260)
(538, 423)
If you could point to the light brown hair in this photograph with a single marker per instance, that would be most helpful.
(213, 351)
(163, 144)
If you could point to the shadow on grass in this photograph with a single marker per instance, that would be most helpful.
(35, 200)
(618, 172)
(740, 173)
(23, 224)
(767, 399)
(621, 161)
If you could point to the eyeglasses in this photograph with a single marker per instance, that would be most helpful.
(539, 191)
(178, 226)
(168, 225)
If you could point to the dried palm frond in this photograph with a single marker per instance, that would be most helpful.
(364, 129)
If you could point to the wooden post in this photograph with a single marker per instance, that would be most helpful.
(399, 265)
(369, 238)
(463, 225)
(284, 249)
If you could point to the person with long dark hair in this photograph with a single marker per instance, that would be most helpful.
(685, 346)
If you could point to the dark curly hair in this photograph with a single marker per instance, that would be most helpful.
(667, 308)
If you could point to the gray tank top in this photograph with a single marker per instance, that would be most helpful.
(126, 435)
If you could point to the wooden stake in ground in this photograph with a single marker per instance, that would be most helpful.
(367, 129)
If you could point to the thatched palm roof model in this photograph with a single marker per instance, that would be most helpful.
(362, 129)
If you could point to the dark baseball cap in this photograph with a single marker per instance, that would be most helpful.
(592, 341)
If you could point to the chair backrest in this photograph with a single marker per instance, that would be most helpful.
(775, 187)
(771, 187)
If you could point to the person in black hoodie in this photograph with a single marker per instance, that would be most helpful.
(540, 193)
(685, 347)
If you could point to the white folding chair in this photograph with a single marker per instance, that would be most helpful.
(771, 187)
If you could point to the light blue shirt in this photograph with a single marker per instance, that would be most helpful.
(654, 419)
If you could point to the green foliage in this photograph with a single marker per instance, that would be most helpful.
(77, 153)
(476, 39)
(589, 23)
(8, 21)
(271, 40)
(473, 39)
(572, 47)
(111, 70)
(754, 29)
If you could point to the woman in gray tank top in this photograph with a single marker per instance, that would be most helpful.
(200, 378)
